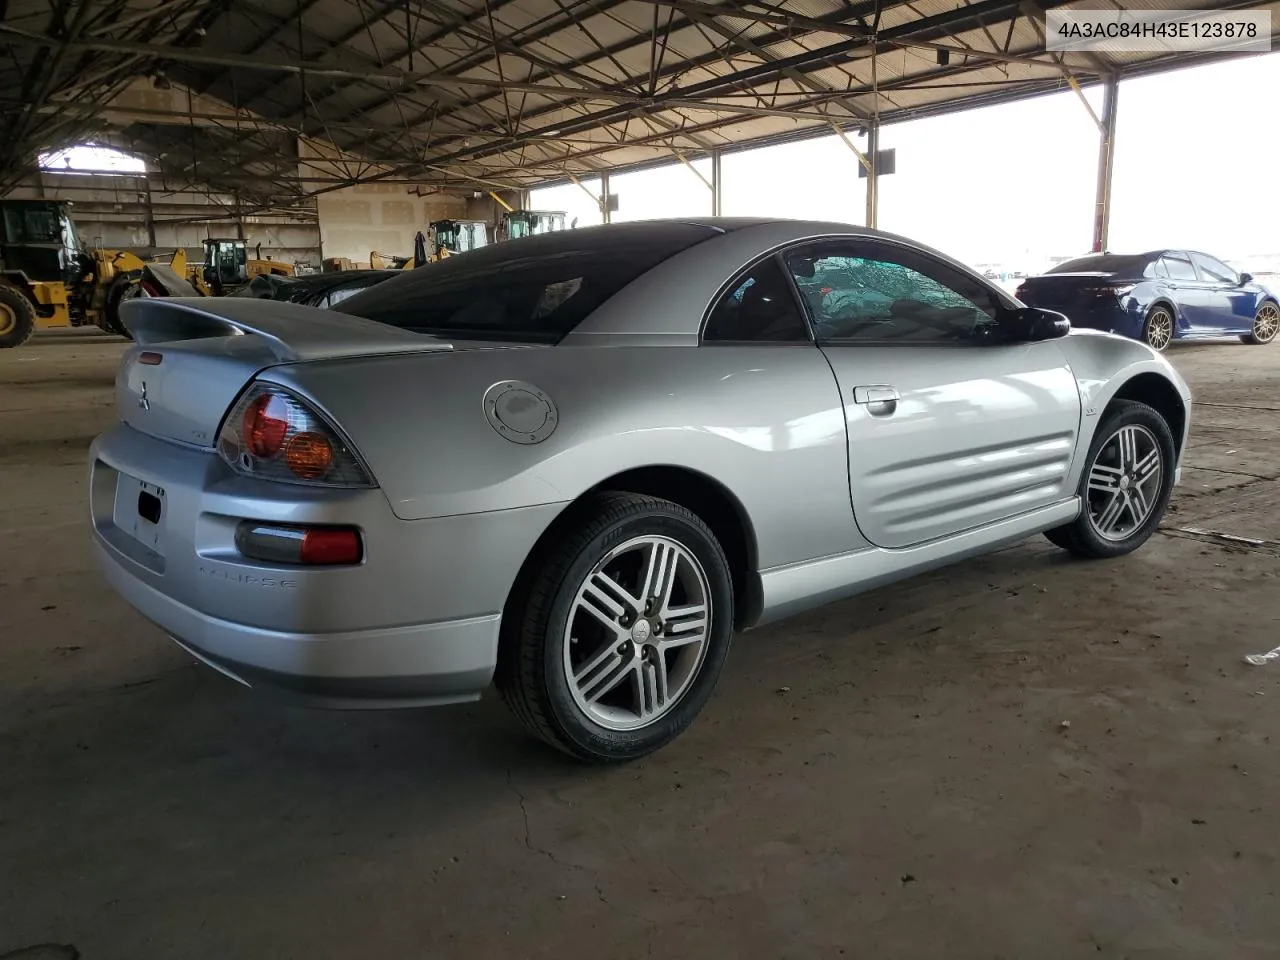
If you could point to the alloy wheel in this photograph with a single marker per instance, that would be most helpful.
(1124, 482)
(637, 633)
(1159, 329)
(1267, 323)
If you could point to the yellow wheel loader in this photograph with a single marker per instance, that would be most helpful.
(48, 279)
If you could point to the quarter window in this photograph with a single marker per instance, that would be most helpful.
(879, 292)
(760, 307)
(1179, 269)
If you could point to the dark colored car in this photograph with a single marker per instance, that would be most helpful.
(1157, 297)
(324, 290)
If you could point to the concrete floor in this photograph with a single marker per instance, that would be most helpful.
(1017, 757)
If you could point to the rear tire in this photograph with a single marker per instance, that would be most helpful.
(1266, 324)
(17, 317)
(1125, 486)
(608, 676)
(1158, 329)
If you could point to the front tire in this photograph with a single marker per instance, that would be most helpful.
(614, 641)
(1266, 324)
(1158, 330)
(1125, 486)
(17, 317)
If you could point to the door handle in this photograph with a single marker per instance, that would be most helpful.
(879, 393)
(879, 399)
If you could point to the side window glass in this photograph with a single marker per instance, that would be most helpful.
(894, 295)
(1157, 269)
(1179, 269)
(759, 308)
(1213, 270)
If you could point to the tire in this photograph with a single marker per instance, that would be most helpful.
(122, 288)
(1266, 324)
(1159, 328)
(17, 317)
(553, 631)
(1096, 533)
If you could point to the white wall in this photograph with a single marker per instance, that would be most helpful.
(381, 217)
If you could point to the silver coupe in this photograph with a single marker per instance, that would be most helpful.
(574, 465)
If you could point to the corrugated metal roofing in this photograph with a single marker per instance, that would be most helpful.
(481, 94)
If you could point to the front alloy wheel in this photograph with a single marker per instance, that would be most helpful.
(1125, 486)
(1158, 330)
(1124, 482)
(1266, 324)
(614, 637)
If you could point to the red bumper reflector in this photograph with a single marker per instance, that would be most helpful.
(330, 546)
(150, 358)
(305, 546)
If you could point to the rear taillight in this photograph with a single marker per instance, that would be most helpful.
(265, 424)
(272, 434)
(305, 546)
(1021, 292)
(1109, 290)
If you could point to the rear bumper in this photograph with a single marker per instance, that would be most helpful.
(423, 664)
(415, 622)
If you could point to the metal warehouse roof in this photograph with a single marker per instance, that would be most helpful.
(272, 98)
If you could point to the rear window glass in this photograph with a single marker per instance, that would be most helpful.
(1103, 263)
(530, 290)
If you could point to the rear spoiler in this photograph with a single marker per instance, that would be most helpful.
(291, 331)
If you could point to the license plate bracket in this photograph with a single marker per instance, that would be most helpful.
(140, 511)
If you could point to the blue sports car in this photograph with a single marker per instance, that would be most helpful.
(1157, 297)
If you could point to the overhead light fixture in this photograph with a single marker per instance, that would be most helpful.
(944, 57)
(160, 81)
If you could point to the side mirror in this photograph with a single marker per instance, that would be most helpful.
(1028, 324)
(1246, 278)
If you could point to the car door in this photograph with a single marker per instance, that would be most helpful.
(1228, 307)
(948, 430)
(1189, 294)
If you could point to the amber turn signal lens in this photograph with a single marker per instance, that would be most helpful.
(309, 456)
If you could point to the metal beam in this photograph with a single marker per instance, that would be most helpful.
(1106, 163)
(873, 175)
(717, 183)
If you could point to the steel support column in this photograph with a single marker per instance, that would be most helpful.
(1106, 163)
(604, 198)
(873, 184)
(717, 205)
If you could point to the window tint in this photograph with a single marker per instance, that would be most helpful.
(1213, 270)
(1179, 269)
(531, 290)
(877, 292)
(760, 308)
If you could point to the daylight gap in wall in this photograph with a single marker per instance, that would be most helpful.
(92, 158)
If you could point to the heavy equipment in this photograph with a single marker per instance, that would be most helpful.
(528, 223)
(227, 266)
(49, 279)
(451, 237)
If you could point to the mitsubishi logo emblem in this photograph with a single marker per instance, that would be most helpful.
(143, 402)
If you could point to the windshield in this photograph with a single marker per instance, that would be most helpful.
(1104, 263)
(534, 291)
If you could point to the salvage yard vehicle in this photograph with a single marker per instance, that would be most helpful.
(324, 290)
(577, 464)
(1158, 297)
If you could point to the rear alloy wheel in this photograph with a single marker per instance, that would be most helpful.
(616, 641)
(1266, 324)
(17, 318)
(1158, 330)
(1126, 484)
